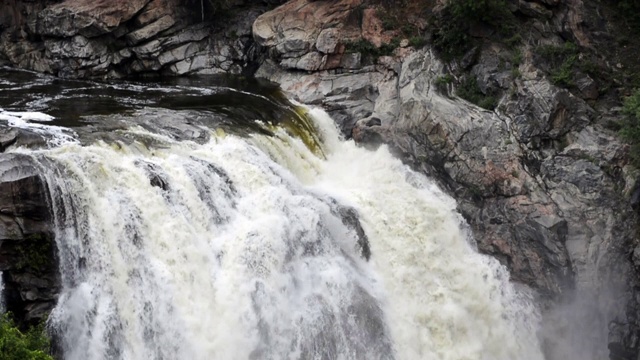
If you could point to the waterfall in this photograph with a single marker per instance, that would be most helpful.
(259, 247)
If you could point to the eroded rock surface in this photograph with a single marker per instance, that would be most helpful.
(27, 252)
(114, 39)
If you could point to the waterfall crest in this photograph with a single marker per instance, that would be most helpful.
(265, 247)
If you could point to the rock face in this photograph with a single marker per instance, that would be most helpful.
(113, 39)
(27, 252)
(309, 40)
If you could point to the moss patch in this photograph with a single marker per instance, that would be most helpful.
(469, 90)
(35, 254)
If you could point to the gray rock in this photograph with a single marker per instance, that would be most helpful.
(587, 86)
(351, 61)
(151, 30)
(8, 136)
(30, 288)
(542, 110)
(328, 40)
(86, 17)
(179, 53)
(310, 61)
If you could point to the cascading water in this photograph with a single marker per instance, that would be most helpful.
(262, 247)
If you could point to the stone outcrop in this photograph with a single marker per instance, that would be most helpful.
(27, 250)
(314, 38)
(114, 39)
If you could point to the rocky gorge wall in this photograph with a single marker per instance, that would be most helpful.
(543, 181)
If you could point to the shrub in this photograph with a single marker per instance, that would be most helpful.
(630, 10)
(369, 51)
(442, 82)
(563, 76)
(563, 60)
(16, 345)
(490, 11)
(451, 35)
(470, 91)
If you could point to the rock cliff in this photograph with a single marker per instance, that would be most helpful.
(541, 177)
(27, 250)
(113, 39)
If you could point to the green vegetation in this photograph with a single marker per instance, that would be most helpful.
(630, 10)
(16, 345)
(207, 10)
(442, 82)
(369, 51)
(470, 91)
(630, 130)
(513, 41)
(492, 12)
(35, 254)
(563, 61)
(451, 36)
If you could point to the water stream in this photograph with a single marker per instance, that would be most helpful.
(268, 238)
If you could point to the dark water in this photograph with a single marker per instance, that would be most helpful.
(235, 102)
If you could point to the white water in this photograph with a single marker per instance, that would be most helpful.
(244, 255)
(55, 135)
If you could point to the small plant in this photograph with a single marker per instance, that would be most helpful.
(442, 82)
(513, 41)
(367, 49)
(417, 41)
(444, 79)
(515, 73)
(389, 21)
(451, 40)
(630, 130)
(563, 61)
(553, 51)
(563, 76)
(470, 91)
(516, 57)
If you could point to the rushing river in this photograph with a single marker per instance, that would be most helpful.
(213, 219)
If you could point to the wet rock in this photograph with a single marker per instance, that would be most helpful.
(8, 136)
(349, 217)
(150, 30)
(28, 258)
